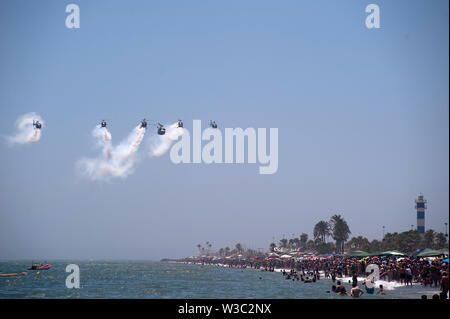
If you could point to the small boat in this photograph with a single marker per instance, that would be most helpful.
(38, 266)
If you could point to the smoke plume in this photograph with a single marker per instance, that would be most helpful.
(161, 144)
(26, 133)
(115, 161)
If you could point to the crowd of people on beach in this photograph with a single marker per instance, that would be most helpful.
(406, 271)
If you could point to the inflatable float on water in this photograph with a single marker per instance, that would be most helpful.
(39, 267)
(12, 275)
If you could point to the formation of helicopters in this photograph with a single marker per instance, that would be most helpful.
(161, 130)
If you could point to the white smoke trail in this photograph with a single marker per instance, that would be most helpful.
(26, 133)
(116, 161)
(103, 137)
(163, 142)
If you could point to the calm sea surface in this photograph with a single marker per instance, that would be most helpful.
(147, 279)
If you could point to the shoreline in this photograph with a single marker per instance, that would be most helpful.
(415, 287)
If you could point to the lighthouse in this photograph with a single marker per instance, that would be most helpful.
(420, 207)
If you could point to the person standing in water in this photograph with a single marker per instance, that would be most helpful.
(356, 292)
(355, 278)
(369, 290)
(340, 289)
(409, 276)
(382, 291)
(444, 283)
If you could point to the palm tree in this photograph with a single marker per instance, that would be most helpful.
(321, 231)
(272, 247)
(359, 243)
(227, 251)
(239, 247)
(428, 238)
(291, 243)
(283, 243)
(340, 231)
(409, 241)
(376, 245)
(390, 242)
(296, 242)
(310, 245)
(199, 248)
(441, 241)
(303, 240)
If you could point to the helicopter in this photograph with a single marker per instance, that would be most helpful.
(213, 124)
(161, 129)
(37, 124)
(143, 124)
(180, 123)
(103, 123)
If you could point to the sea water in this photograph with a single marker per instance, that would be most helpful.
(150, 279)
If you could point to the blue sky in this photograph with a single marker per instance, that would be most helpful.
(362, 117)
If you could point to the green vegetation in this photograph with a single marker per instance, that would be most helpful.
(337, 228)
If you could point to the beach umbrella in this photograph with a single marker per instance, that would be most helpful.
(286, 256)
(360, 254)
(393, 253)
(445, 260)
(375, 253)
(429, 253)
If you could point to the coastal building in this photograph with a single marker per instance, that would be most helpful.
(420, 208)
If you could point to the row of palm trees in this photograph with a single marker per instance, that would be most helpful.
(292, 243)
(203, 249)
(338, 229)
(223, 252)
(407, 242)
